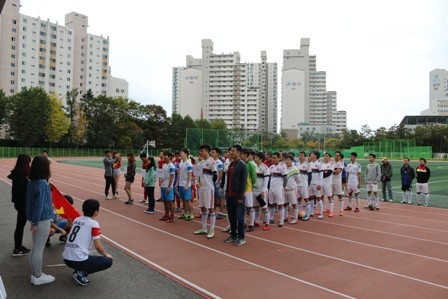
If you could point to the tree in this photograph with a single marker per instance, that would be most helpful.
(29, 117)
(3, 107)
(78, 128)
(58, 123)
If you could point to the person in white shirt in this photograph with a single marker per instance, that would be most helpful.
(327, 171)
(315, 187)
(277, 185)
(373, 176)
(260, 191)
(86, 230)
(292, 174)
(302, 188)
(337, 180)
(184, 184)
(215, 153)
(353, 181)
(167, 188)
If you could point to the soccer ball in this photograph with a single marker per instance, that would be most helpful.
(372, 207)
(302, 214)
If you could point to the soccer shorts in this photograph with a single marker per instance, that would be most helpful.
(166, 197)
(337, 187)
(422, 188)
(248, 199)
(302, 192)
(352, 189)
(185, 194)
(371, 187)
(218, 194)
(291, 197)
(327, 190)
(276, 196)
(406, 187)
(206, 198)
(312, 189)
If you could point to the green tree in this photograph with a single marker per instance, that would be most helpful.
(29, 116)
(78, 128)
(3, 107)
(58, 123)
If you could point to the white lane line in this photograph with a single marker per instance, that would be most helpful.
(162, 269)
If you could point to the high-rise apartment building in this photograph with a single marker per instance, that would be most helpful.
(438, 93)
(220, 86)
(36, 52)
(306, 104)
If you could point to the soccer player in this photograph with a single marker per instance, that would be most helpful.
(315, 187)
(353, 181)
(373, 176)
(302, 188)
(206, 192)
(276, 191)
(292, 174)
(215, 153)
(337, 180)
(86, 230)
(184, 184)
(260, 191)
(423, 174)
(166, 187)
(327, 189)
(407, 176)
(251, 180)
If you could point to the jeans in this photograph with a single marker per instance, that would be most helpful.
(110, 182)
(20, 225)
(387, 185)
(39, 239)
(94, 263)
(151, 199)
(235, 212)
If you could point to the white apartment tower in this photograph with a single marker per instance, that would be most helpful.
(438, 93)
(305, 101)
(58, 58)
(220, 86)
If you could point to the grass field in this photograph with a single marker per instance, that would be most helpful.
(438, 183)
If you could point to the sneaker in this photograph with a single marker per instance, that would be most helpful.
(226, 229)
(383, 199)
(170, 219)
(280, 225)
(417, 203)
(271, 221)
(178, 210)
(266, 227)
(306, 218)
(330, 214)
(116, 196)
(109, 197)
(256, 224)
(22, 251)
(189, 217)
(317, 213)
(63, 239)
(348, 208)
(239, 242)
(425, 204)
(403, 201)
(159, 200)
(327, 211)
(230, 240)
(183, 216)
(250, 228)
(391, 200)
(211, 234)
(321, 216)
(200, 232)
(81, 278)
(377, 208)
(356, 209)
(148, 211)
(293, 221)
(43, 279)
(164, 218)
(409, 202)
(48, 244)
(341, 213)
(143, 201)
(219, 216)
(366, 207)
(129, 202)
(198, 216)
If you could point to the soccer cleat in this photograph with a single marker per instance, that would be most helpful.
(280, 225)
(200, 232)
(330, 214)
(317, 213)
(321, 216)
(341, 213)
(348, 208)
(293, 221)
(219, 216)
(230, 240)
(43, 279)
(425, 204)
(178, 210)
(81, 278)
(170, 220)
(211, 234)
(183, 216)
(256, 224)
(226, 229)
(356, 209)
(377, 208)
(164, 218)
(129, 202)
(366, 207)
(306, 218)
(327, 211)
(403, 201)
(22, 251)
(417, 203)
(271, 221)
(239, 242)
(250, 228)
(266, 227)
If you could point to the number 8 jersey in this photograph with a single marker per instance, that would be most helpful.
(79, 240)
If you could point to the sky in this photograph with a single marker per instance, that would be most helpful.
(377, 54)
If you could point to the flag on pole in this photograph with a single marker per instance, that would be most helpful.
(62, 207)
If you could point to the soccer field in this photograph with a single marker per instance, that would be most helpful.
(437, 184)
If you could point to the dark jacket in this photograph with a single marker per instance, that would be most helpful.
(19, 185)
(236, 185)
(386, 172)
(407, 175)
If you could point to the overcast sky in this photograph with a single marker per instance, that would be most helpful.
(377, 54)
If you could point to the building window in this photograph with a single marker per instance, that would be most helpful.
(14, 21)
(12, 82)
(13, 73)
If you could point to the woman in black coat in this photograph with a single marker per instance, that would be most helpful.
(19, 177)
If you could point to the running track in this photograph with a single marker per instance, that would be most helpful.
(400, 251)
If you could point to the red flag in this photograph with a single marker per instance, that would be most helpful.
(62, 206)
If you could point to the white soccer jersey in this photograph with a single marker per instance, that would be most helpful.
(79, 240)
(168, 170)
(304, 171)
(352, 171)
(292, 173)
(316, 172)
(262, 173)
(338, 165)
(185, 168)
(327, 169)
(206, 179)
(277, 174)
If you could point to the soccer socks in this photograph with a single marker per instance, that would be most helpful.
(251, 216)
(350, 201)
(426, 198)
(257, 214)
(341, 204)
(296, 213)
(332, 205)
(281, 212)
(212, 220)
(369, 199)
(377, 202)
(266, 215)
(271, 211)
(321, 205)
(357, 200)
(309, 208)
(204, 220)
